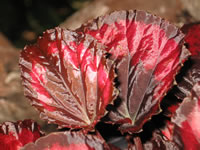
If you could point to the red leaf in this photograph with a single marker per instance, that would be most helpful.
(67, 78)
(183, 129)
(148, 52)
(191, 71)
(187, 121)
(190, 75)
(15, 135)
(157, 142)
(182, 132)
(192, 37)
(68, 141)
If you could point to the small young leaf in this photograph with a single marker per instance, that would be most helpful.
(148, 53)
(13, 136)
(68, 141)
(67, 78)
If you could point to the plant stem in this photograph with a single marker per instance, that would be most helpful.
(138, 143)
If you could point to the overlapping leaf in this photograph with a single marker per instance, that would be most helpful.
(192, 37)
(157, 142)
(13, 136)
(186, 120)
(186, 132)
(148, 53)
(191, 71)
(68, 78)
(182, 132)
(68, 141)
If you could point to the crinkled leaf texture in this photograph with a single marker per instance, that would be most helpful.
(68, 141)
(148, 53)
(13, 136)
(68, 78)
